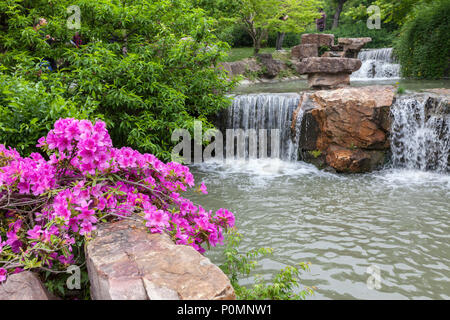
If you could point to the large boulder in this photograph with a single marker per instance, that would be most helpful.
(24, 286)
(126, 262)
(348, 128)
(304, 51)
(328, 65)
(318, 39)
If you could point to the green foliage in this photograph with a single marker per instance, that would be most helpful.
(28, 110)
(398, 12)
(400, 90)
(381, 38)
(423, 46)
(283, 285)
(323, 49)
(56, 282)
(147, 66)
(315, 153)
(259, 17)
(237, 54)
(291, 39)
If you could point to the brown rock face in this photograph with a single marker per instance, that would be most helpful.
(126, 262)
(24, 286)
(325, 80)
(319, 39)
(349, 126)
(328, 65)
(348, 160)
(304, 51)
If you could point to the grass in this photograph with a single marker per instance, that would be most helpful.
(237, 54)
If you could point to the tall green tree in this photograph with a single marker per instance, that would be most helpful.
(258, 17)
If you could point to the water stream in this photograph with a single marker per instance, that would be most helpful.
(395, 220)
(378, 64)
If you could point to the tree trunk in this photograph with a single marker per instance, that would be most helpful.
(256, 45)
(280, 39)
(337, 14)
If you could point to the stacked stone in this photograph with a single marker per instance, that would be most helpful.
(334, 67)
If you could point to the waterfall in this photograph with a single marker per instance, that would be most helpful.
(266, 118)
(377, 64)
(421, 133)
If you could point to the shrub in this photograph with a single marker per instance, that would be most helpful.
(283, 286)
(423, 47)
(28, 111)
(148, 66)
(48, 207)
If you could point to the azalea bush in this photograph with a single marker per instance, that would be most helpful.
(49, 205)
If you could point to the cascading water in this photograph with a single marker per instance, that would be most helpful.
(266, 114)
(421, 133)
(377, 64)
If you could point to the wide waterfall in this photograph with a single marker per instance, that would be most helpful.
(377, 64)
(421, 133)
(267, 119)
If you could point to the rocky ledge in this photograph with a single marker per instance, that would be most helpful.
(125, 261)
(24, 286)
(346, 129)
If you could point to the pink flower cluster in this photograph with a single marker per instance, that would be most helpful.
(86, 180)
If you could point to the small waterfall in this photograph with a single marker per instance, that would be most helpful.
(421, 133)
(267, 119)
(377, 64)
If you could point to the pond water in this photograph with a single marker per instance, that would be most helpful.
(396, 220)
(301, 85)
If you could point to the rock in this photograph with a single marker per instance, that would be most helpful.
(349, 126)
(352, 46)
(304, 51)
(333, 54)
(439, 91)
(126, 262)
(319, 39)
(237, 68)
(354, 161)
(327, 73)
(328, 80)
(24, 286)
(352, 117)
(328, 65)
(270, 66)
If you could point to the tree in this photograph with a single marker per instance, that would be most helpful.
(395, 13)
(148, 67)
(260, 16)
(423, 45)
(337, 13)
